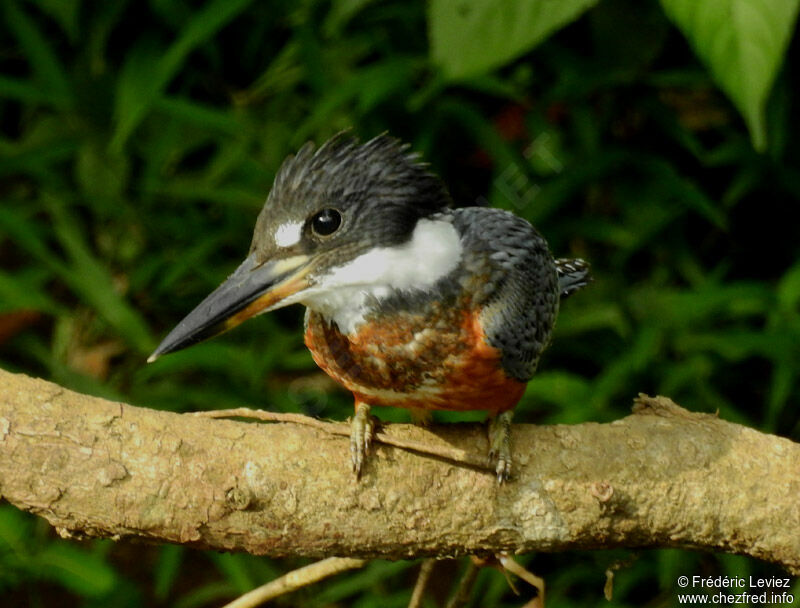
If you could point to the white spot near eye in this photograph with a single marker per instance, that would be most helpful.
(288, 234)
(343, 294)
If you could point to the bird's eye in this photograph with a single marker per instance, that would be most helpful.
(326, 222)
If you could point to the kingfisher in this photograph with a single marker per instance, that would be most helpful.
(410, 302)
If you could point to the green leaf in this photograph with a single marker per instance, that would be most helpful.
(641, 353)
(208, 117)
(367, 87)
(82, 271)
(736, 344)
(99, 173)
(90, 279)
(169, 562)
(563, 389)
(105, 17)
(573, 321)
(684, 190)
(75, 569)
(22, 90)
(148, 71)
(783, 380)
(234, 569)
(676, 309)
(49, 74)
(341, 13)
(36, 158)
(788, 291)
(472, 36)
(15, 533)
(26, 290)
(65, 12)
(345, 587)
(743, 43)
(205, 595)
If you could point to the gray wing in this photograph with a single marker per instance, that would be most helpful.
(518, 288)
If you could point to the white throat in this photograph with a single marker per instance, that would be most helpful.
(343, 295)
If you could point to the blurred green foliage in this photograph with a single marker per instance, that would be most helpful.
(139, 140)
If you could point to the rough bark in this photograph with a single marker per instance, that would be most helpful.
(661, 477)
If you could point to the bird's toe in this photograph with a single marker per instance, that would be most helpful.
(500, 445)
(361, 434)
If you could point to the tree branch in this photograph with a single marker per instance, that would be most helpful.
(661, 477)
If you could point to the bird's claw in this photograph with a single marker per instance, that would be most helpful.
(362, 429)
(503, 469)
(500, 445)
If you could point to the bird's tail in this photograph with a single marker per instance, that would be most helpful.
(572, 275)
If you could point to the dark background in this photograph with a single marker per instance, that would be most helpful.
(138, 141)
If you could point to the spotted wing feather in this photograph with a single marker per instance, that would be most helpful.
(517, 285)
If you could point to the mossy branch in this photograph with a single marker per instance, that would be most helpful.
(661, 477)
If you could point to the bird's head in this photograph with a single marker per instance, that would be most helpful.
(342, 221)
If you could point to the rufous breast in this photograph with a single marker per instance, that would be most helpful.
(438, 359)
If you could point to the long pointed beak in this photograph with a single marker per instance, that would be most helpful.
(253, 288)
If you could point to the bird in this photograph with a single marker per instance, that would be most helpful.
(410, 301)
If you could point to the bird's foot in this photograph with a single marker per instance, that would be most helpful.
(362, 429)
(500, 445)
